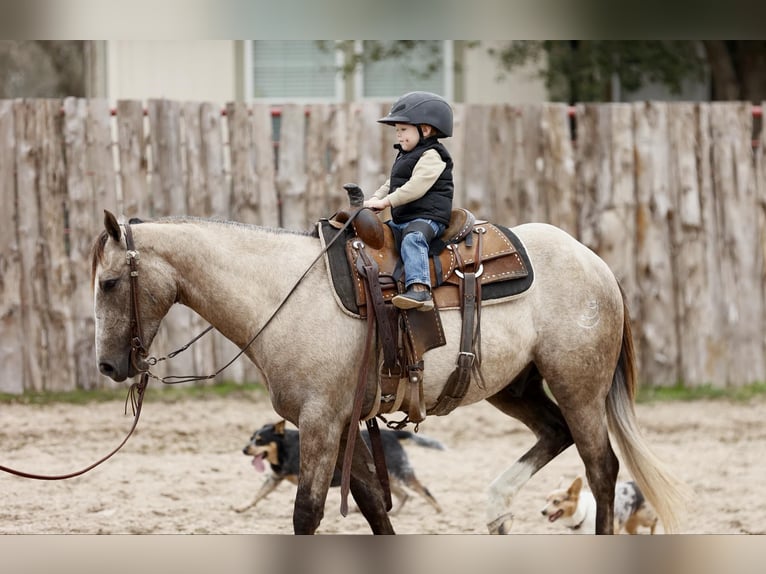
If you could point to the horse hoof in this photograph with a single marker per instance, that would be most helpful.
(501, 525)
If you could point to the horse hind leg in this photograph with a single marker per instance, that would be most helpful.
(525, 400)
(584, 411)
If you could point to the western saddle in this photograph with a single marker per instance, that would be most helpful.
(468, 255)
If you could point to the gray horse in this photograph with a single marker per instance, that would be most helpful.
(571, 330)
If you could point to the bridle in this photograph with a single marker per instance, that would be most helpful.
(142, 363)
(137, 389)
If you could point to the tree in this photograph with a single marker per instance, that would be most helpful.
(584, 70)
(42, 69)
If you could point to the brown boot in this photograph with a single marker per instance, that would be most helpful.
(417, 296)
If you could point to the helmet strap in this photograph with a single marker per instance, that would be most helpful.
(420, 132)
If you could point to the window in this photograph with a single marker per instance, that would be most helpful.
(305, 71)
(295, 70)
(428, 66)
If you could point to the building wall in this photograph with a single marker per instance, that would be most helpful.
(483, 83)
(208, 70)
(201, 70)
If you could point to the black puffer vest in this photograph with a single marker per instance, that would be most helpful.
(436, 204)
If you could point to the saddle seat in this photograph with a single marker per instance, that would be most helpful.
(499, 261)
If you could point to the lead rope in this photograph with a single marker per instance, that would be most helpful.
(136, 398)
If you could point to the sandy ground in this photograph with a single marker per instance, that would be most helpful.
(183, 470)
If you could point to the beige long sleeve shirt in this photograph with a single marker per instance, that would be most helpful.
(425, 173)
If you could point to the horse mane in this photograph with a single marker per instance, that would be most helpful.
(97, 251)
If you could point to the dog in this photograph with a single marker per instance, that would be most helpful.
(575, 507)
(280, 448)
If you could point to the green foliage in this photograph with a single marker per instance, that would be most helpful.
(679, 392)
(256, 391)
(573, 71)
(154, 393)
(427, 53)
(583, 70)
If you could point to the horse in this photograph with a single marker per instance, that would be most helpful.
(260, 288)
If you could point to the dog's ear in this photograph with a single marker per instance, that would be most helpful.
(576, 486)
(279, 427)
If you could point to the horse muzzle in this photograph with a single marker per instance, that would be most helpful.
(123, 369)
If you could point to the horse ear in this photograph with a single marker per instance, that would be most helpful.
(111, 225)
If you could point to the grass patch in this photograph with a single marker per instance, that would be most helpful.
(155, 392)
(705, 392)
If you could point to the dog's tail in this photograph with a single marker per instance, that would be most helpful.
(666, 493)
(419, 440)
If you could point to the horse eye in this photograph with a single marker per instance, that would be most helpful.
(108, 284)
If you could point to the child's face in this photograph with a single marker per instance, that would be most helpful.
(407, 136)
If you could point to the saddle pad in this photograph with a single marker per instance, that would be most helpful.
(507, 269)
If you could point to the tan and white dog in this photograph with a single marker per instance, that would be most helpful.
(575, 508)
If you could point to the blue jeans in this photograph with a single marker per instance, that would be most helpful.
(414, 252)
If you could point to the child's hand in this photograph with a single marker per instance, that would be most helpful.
(376, 204)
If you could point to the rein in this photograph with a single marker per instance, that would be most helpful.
(138, 352)
(176, 379)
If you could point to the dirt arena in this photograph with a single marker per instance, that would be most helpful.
(183, 470)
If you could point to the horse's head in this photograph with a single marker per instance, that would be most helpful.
(118, 325)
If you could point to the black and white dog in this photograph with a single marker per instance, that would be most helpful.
(279, 447)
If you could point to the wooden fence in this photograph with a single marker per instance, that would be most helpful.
(671, 195)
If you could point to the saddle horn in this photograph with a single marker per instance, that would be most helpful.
(366, 224)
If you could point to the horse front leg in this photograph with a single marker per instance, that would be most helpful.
(318, 453)
(366, 488)
(527, 402)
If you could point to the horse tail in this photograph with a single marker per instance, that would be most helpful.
(667, 494)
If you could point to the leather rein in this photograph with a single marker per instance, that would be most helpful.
(138, 352)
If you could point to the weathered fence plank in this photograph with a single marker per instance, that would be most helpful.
(605, 189)
(133, 159)
(101, 169)
(262, 154)
(694, 293)
(167, 188)
(740, 253)
(500, 177)
(59, 368)
(375, 148)
(291, 174)
(84, 215)
(761, 190)
(244, 193)
(557, 178)
(317, 163)
(32, 291)
(655, 330)
(11, 320)
(456, 146)
(476, 150)
(212, 161)
(197, 195)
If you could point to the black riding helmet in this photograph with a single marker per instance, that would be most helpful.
(421, 108)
